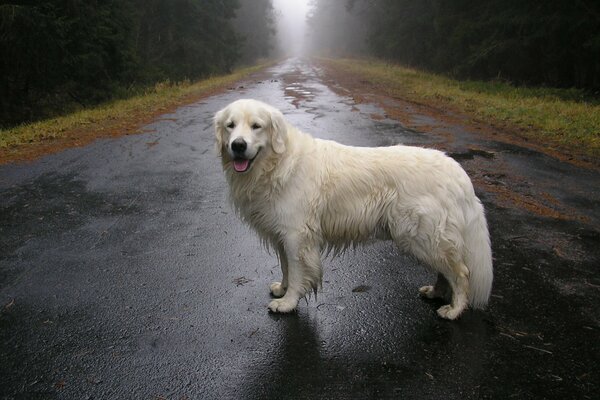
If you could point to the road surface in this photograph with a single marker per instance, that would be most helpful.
(124, 274)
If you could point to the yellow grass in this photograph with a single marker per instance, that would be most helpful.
(553, 117)
(119, 112)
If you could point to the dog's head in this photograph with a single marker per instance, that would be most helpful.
(248, 130)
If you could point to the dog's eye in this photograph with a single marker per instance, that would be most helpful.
(231, 125)
(256, 126)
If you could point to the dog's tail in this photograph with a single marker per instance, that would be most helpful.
(478, 258)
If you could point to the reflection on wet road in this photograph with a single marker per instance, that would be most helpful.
(125, 274)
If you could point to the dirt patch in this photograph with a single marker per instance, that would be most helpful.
(543, 205)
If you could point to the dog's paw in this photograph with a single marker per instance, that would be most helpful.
(449, 312)
(282, 306)
(277, 289)
(427, 292)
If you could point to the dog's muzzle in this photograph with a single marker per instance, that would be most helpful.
(241, 161)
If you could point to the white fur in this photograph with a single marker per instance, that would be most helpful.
(305, 196)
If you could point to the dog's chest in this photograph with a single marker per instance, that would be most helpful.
(259, 213)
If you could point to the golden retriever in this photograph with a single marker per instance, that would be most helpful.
(305, 196)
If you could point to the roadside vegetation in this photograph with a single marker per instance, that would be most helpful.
(121, 115)
(552, 43)
(564, 118)
(75, 70)
(61, 56)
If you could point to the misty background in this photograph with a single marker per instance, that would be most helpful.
(60, 55)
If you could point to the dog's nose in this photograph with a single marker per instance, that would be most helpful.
(239, 145)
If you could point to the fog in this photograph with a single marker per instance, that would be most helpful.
(291, 26)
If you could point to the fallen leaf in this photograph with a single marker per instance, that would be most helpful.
(241, 281)
(9, 305)
(361, 288)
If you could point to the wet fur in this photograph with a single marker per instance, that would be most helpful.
(305, 196)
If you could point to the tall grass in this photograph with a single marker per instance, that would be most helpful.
(565, 118)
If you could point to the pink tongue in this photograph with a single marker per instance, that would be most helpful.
(241, 164)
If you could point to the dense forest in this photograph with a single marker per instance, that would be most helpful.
(57, 55)
(543, 42)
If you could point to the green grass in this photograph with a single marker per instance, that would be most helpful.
(562, 118)
(117, 113)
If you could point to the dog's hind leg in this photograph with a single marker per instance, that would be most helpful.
(304, 272)
(278, 289)
(441, 289)
(422, 236)
(458, 279)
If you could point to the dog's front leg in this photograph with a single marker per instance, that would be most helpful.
(303, 272)
(278, 289)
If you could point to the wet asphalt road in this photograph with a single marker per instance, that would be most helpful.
(124, 274)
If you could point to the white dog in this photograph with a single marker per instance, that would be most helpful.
(305, 196)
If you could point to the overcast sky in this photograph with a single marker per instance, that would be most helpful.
(291, 24)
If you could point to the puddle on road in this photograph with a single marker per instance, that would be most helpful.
(296, 93)
(344, 119)
(471, 153)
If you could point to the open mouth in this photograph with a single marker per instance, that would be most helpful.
(241, 164)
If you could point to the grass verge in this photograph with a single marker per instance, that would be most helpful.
(114, 118)
(559, 118)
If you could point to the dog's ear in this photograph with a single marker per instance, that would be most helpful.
(278, 131)
(219, 122)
